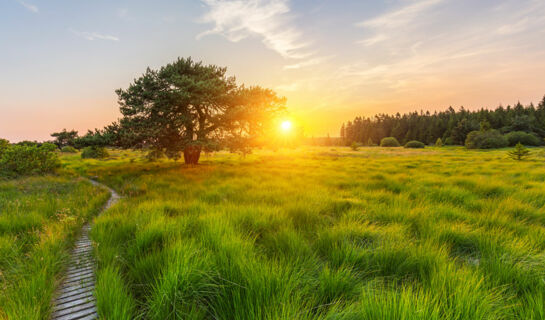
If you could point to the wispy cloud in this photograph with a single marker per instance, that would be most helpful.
(389, 23)
(513, 28)
(373, 40)
(29, 7)
(267, 19)
(430, 45)
(307, 63)
(400, 17)
(94, 35)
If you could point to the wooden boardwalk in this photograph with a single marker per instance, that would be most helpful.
(74, 298)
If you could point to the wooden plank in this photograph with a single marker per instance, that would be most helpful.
(88, 289)
(79, 270)
(74, 305)
(80, 276)
(77, 296)
(78, 314)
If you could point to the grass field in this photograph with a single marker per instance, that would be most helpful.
(310, 233)
(38, 220)
(323, 233)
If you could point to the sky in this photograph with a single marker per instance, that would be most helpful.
(61, 60)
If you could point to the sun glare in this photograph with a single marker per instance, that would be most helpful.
(286, 126)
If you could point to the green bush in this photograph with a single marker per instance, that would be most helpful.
(485, 140)
(355, 146)
(4, 144)
(68, 149)
(155, 154)
(389, 142)
(522, 137)
(415, 145)
(17, 160)
(94, 153)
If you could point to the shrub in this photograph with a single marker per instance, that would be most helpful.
(4, 144)
(27, 143)
(527, 139)
(94, 153)
(439, 143)
(519, 153)
(485, 140)
(68, 149)
(155, 154)
(370, 142)
(16, 160)
(389, 142)
(414, 144)
(355, 146)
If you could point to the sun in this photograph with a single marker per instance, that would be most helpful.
(286, 125)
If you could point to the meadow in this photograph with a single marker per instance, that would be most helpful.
(39, 219)
(322, 233)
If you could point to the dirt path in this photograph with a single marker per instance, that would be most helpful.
(74, 298)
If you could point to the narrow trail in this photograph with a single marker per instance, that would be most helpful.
(74, 297)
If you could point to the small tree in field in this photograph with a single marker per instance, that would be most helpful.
(439, 143)
(519, 153)
(355, 146)
(370, 142)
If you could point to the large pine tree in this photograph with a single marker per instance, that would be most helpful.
(186, 106)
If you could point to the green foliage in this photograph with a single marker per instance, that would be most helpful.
(27, 143)
(389, 142)
(69, 149)
(4, 144)
(490, 139)
(415, 145)
(452, 126)
(94, 152)
(355, 146)
(519, 153)
(154, 155)
(485, 126)
(39, 217)
(17, 160)
(370, 142)
(113, 298)
(439, 143)
(526, 139)
(459, 133)
(65, 138)
(186, 105)
(98, 138)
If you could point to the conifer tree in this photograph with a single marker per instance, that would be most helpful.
(519, 153)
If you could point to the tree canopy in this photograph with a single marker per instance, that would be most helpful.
(187, 106)
(451, 126)
(65, 138)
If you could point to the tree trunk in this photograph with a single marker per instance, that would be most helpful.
(192, 154)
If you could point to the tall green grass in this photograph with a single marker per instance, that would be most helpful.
(39, 218)
(323, 233)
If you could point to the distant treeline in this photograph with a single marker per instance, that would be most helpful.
(451, 126)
